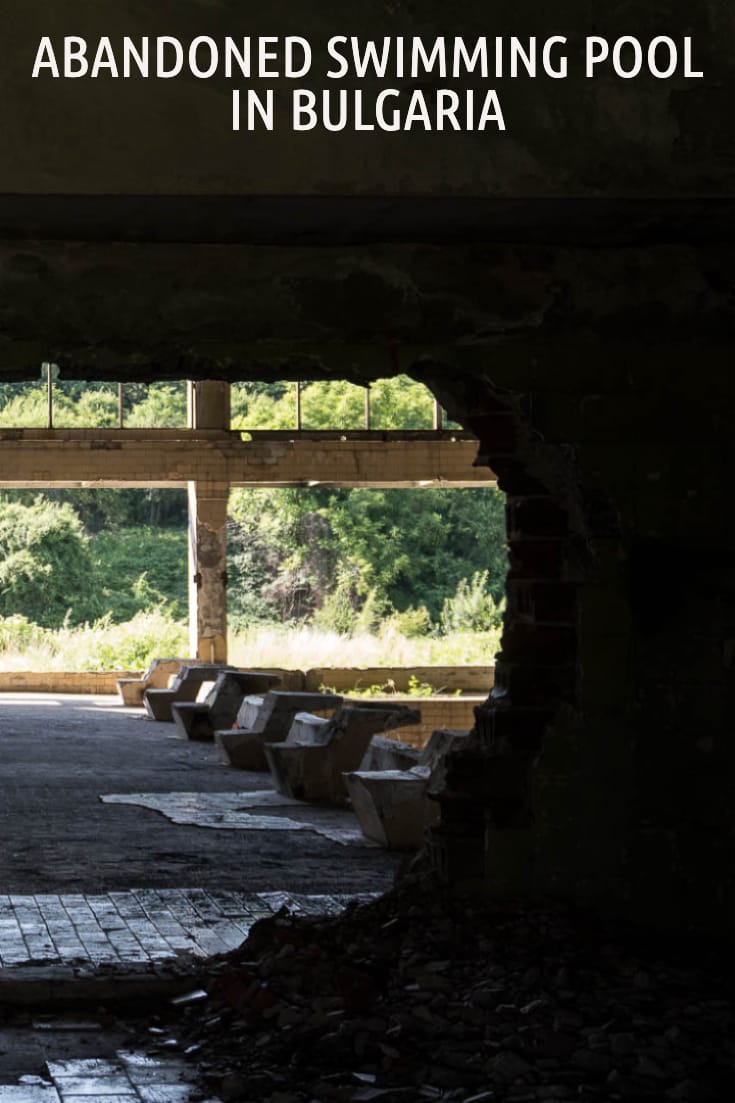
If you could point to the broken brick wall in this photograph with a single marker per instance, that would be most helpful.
(599, 769)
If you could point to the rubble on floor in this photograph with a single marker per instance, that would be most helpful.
(415, 997)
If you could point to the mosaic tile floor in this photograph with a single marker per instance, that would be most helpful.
(141, 925)
(130, 1078)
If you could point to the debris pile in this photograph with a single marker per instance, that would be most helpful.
(419, 997)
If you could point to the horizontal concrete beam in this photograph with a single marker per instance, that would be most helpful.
(347, 220)
(118, 458)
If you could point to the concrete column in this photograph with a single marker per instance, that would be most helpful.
(208, 403)
(208, 571)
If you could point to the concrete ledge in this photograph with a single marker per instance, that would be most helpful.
(449, 679)
(468, 680)
(43, 987)
(59, 681)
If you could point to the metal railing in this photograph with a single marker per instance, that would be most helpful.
(49, 373)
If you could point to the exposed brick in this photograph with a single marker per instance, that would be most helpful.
(544, 602)
(536, 517)
(539, 559)
(518, 730)
(535, 685)
(546, 644)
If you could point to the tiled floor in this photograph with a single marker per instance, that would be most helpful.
(130, 1078)
(139, 926)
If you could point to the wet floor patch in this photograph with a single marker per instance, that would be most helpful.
(126, 1077)
(245, 812)
(140, 926)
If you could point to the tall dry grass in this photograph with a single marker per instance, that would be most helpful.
(304, 647)
(131, 646)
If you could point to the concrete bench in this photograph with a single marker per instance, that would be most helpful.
(157, 676)
(199, 720)
(309, 764)
(389, 754)
(264, 720)
(394, 806)
(185, 687)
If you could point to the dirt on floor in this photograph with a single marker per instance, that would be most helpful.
(60, 754)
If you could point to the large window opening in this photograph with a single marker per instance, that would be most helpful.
(52, 402)
(91, 579)
(344, 579)
(366, 577)
(370, 575)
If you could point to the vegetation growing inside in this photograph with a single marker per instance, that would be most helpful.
(414, 576)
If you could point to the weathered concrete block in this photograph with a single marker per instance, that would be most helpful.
(307, 728)
(389, 754)
(199, 720)
(157, 676)
(248, 712)
(185, 687)
(276, 714)
(262, 720)
(241, 748)
(311, 771)
(394, 806)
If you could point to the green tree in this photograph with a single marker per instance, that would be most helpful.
(141, 570)
(159, 406)
(396, 403)
(45, 564)
(291, 550)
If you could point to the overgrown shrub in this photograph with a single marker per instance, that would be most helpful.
(411, 623)
(471, 608)
(45, 564)
(131, 646)
(18, 633)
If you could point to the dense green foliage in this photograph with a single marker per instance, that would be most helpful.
(141, 569)
(423, 561)
(357, 556)
(53, 573)
(396, 403)
(45, 564)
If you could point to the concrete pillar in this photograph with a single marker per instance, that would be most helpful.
(208, 403)
(208, 571)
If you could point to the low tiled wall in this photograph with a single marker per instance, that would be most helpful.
(443, 679)
(61, 681)
(469, 680)
(436, 712)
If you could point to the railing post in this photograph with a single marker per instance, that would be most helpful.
(120, 415)
(49, 396)
(367, 407)
(298, 405)
(437, 415)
